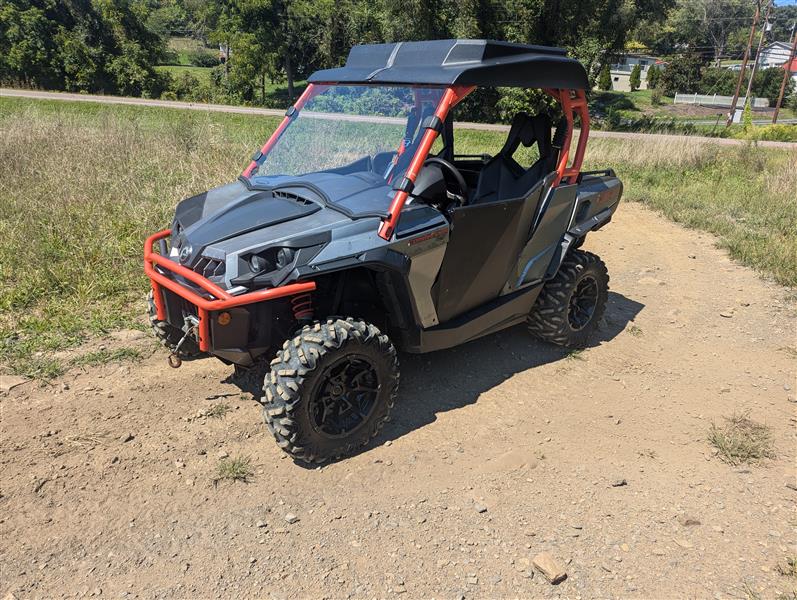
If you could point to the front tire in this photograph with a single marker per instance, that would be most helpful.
(330, 389)
(570, 305)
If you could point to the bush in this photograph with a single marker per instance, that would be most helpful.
(653, 77)
(747, 117)
(605, 79)
(718, 81)
(168, 95)
(201, 58)
(170, 57)
(655, 96)
(771, 133)
(682, 75)
(636, 78)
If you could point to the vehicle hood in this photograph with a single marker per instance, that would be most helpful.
(233, 210)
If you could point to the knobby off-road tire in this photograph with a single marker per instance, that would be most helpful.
(571, 304)
(330, 389)
(168, 335)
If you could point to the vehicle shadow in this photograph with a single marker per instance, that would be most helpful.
(450, 379)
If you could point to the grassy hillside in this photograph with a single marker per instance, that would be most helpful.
(81, 185)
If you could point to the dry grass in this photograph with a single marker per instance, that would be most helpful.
(741, 440)
(788, 568)
(743, 194)
(82, 185)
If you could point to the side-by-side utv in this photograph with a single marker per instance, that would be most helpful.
(361, 226)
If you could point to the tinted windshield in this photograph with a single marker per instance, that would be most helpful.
(349, 129)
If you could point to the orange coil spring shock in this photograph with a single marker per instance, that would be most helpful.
(302, 305)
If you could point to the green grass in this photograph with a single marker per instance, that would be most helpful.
(176, 70)
(83, 184)
(234, 469)
(218, 411)
(185, 46)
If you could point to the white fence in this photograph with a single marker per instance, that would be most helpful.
(721, 101)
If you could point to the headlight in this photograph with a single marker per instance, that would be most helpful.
(185, 253)
(284, 257)
(260, 264)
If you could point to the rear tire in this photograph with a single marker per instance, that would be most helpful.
(330, 389)
(169, 335)
(571, 304)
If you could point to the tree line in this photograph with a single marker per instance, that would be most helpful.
(113, 46)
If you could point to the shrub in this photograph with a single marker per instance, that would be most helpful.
(655, 96)
(201, 58)
(773, 133)
(681, 75)
(718, 81)
(747, 117)
(636, 78)
(653, 77)
(605, 79)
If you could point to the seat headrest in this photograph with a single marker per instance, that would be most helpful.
(526, 130)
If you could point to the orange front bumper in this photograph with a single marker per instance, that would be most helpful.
(220, 300)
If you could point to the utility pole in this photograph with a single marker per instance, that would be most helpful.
(744, 64)
(786, 71)
(764, 30)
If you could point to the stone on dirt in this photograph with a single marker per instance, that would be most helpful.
(688, 521)
(291, 518)
(480, 508)
(551, 568)
(9, 382)
(619, 483)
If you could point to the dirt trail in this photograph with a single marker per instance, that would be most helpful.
(504, 424)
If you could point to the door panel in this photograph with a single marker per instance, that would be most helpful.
(483, 248)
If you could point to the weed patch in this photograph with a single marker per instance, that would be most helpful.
(234, 469)
(217, 411)
(742, 441)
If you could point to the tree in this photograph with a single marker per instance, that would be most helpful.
(605, 79)
(653, 76)
(682, 75)
(99, 45)
(636, 77)
(700, 24)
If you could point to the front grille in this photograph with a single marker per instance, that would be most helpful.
(209, 267)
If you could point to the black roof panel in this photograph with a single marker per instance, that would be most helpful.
(460, 62)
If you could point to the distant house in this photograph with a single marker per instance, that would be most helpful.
(621, 70)
(775, 54)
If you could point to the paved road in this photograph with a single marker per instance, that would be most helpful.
(249, 110)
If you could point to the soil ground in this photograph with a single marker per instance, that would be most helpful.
(498, 450)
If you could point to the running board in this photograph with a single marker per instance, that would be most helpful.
(505, 311)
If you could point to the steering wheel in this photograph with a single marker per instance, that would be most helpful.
(454, 172)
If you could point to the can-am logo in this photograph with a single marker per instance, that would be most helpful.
(185, 254)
